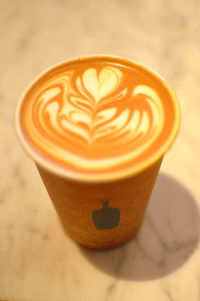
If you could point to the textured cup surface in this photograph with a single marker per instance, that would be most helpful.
(101, 215)
(97, 128)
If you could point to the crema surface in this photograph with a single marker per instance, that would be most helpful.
(97, 115)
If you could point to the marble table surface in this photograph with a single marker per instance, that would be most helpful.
(37, 260)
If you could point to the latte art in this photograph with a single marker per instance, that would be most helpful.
(94, 117)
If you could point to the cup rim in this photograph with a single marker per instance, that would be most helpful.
(111, 176)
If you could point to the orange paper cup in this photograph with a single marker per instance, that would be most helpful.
(101, 211)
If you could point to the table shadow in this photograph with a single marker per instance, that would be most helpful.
(166, 240)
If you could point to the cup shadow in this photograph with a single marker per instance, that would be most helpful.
(167, 238)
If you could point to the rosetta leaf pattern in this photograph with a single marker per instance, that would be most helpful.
(96, 110)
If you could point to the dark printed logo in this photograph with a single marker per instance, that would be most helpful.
(107, 217)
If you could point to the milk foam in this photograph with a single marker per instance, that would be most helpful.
(93, 118)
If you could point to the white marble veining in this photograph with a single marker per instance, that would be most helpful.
(37, 260)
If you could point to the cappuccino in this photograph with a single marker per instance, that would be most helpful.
(98, 117)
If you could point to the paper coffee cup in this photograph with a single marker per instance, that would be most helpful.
(100, 210)
(101, 215)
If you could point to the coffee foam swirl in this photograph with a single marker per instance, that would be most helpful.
(97, 118)
(94, 118)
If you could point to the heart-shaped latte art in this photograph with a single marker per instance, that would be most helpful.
(94, 119)
(102, 84)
